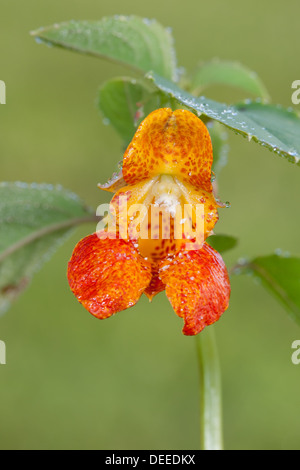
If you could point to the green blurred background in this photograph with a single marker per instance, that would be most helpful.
(131, 382)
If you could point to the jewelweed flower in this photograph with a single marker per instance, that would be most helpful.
(161, 214)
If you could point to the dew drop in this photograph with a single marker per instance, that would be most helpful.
(293, 152)
(39, 41)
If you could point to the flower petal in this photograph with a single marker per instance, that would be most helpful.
(107, 275)
(115, 183)
(173, 143)
(156, 285)
(197, 286)
(129, 202)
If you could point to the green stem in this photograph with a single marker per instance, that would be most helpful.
(211, 394)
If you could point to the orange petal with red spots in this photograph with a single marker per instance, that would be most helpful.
(156, 285)
(197, 286)
(173, 143)
(107, 275)
(196, 197)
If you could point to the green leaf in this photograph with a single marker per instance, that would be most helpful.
(273, 127)
(222, 243)
(125, 102)
(138, 43)
(280, 275)
(219, 139)
(218, 72)
(34, 221)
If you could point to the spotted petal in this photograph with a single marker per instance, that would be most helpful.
(107, 275)
(156, 285)
(197, 286)
(173, 143)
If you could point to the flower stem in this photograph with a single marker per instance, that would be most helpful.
(210, 391)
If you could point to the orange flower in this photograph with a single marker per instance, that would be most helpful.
(161, 214)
